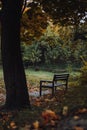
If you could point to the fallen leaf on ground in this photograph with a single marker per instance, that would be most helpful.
(76, 117)
(36, 124)
(83, 110)
(49, 115)
(78, 128)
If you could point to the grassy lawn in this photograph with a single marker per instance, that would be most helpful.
(34, 77)
(39, 74)
(74, 94)
(1, 73)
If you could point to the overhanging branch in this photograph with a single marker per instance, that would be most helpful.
(24, 6)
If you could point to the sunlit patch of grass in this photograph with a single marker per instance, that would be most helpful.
(39, 74)
(34, 77)
(1, 72)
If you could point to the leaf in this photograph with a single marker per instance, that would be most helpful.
(65, 110)
(78, 128)
(82, 110)
(36, 124)
(52, 123)
(13, 125)
(76, 117)
(49, 115)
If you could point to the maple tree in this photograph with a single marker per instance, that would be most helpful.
(33, 27)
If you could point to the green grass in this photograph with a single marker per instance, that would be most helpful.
(1, 73)
(39, 74)
(33, 77)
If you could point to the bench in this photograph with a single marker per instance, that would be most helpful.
(59, 80)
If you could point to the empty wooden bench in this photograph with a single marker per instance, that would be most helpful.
(59, 80)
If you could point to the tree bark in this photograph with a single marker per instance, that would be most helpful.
(13, 70)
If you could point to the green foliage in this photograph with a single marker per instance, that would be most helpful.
(83, 78)
(53, 50)
(57, 45)
(51, 55)
(33, 24)
(31, 54)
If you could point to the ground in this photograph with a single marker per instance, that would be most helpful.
(64, 111)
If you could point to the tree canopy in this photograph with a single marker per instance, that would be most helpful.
(33, 24)
(64, 11)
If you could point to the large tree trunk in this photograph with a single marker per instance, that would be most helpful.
(14, 75)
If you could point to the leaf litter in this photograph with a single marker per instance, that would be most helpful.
(47, 113)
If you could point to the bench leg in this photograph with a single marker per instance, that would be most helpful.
(53, 91)
(66, 86)
(40, 90)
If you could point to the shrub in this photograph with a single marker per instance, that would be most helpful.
(83, 79)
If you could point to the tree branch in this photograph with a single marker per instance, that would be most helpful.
(24, 6)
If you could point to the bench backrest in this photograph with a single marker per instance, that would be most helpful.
(60, 77)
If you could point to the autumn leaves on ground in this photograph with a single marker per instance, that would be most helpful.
(64, 111)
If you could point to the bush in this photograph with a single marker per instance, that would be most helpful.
(31, 54)
(83, 78)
